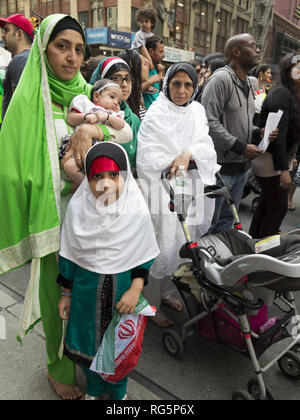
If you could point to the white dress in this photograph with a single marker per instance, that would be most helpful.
(166, 131)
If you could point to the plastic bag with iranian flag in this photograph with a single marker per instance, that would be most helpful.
(121, 346)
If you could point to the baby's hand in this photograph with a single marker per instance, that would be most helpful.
(91, 119)
(101, 116)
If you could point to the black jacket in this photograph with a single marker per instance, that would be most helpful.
(280, 98)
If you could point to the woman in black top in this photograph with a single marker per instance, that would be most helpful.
(272, 168)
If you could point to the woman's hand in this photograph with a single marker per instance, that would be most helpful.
(181, 160)
(285, 180)
(273, 136)
(64, 307)
(129, 300)
(82, 142)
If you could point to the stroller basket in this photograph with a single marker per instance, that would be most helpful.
(217, 325)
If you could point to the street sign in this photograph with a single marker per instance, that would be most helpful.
(297, 12)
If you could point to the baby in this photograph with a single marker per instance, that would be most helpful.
(103, 109)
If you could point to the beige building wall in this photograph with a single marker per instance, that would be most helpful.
(74, 9)
(124, 15)
(27, 10)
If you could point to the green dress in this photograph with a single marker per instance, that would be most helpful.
(131, 148)
(93, 298)
(30, 183)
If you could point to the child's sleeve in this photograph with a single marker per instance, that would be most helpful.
(122, 136)
(142, 271)
(81, 104)
(67, 271)
(139, 39)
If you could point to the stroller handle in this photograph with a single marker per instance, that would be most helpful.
(211, 191)
(166, 172)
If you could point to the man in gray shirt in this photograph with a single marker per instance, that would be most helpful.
(17, 34)
(228, 100)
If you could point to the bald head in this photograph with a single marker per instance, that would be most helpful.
(235, 42)
(241, 51)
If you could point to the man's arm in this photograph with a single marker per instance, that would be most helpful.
(16, 69)
(215, 96)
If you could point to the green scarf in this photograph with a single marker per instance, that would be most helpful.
(29, 164)
(133, 121)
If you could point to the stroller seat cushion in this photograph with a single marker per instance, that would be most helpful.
(234, 243)
(227, 248)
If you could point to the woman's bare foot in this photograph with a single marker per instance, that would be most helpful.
(173, 303)
(63, 391)
(161, 320)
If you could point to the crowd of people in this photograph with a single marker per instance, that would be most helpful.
(83, 146)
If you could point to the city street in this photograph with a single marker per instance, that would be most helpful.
(207, 371)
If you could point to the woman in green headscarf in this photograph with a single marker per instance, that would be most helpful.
(34, 194)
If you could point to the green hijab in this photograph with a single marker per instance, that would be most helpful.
(29, 164)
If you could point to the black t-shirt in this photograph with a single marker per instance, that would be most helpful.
(12, 77)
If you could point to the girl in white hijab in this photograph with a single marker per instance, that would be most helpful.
(107, 248)
(174, 131)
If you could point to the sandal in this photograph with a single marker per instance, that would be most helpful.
(161, 320)
(291, 206)
(173, 303)
(63, 391)
(88, 397)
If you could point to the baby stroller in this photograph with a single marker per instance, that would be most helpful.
(228, 287)
(252, 185)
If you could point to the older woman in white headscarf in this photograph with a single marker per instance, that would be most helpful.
(174, 132)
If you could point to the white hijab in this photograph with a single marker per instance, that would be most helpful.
(166, 131)
(110, 239)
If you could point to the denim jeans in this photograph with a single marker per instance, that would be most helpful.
(223, 218)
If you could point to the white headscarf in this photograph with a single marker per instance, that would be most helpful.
(108, 239)
(166, 131)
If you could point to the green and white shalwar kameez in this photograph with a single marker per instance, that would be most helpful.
(31, 209)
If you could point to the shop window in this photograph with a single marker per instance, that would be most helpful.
(134, 25)
(112, 18)
(84, 19)
(3, 9)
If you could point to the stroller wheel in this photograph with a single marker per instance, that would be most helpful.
(241, 395)
(296, 349)
(173, 343)
(255, 391)
(290, 365)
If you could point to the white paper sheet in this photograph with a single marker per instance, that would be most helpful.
(272, 123)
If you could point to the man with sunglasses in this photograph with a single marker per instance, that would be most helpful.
(229, 103)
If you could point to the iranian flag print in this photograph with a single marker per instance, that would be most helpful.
(121, 346)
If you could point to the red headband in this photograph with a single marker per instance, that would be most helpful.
(101, 164)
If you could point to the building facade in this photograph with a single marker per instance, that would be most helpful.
(201, 26)
(276, 29)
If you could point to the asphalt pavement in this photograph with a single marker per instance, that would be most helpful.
(206, 371)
